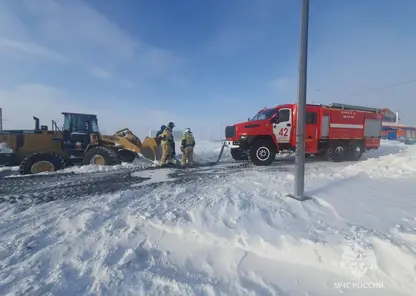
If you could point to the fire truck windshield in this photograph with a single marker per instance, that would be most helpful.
(263, 114)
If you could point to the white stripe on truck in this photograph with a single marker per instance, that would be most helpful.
(342, 125)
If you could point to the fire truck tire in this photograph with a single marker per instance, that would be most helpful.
(336, 153)
(238, 154)
(355, 152)
(262, 153)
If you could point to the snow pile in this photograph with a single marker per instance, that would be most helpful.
(390, 161)
(224, 233)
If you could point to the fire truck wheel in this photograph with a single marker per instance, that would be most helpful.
(355, 152)
(262, 153)
(335, 153)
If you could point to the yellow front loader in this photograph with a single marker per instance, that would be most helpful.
(78, 142)
(129, 146)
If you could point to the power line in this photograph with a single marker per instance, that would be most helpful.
(383, 87)
(380, 88)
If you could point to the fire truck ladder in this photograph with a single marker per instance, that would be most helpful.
(353, 107)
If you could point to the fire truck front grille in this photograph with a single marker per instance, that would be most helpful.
(230, 131)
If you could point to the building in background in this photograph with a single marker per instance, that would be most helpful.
(393, 129)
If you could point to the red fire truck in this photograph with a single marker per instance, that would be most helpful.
(337, 131)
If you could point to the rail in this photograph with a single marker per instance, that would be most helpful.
(55, 126)
(353, 107)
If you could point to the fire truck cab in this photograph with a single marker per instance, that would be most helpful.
(337, 131)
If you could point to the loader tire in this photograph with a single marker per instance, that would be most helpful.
(41, 162)
(238, 154)
(102, 156)
(336, 153)
(262, 153)
(127, 156)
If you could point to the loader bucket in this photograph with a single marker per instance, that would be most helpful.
(150, 149)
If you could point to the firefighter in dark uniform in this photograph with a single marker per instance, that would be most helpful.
(187, 148)
(159, 133)
(158, 136)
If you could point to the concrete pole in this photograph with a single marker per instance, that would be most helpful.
(301, 108)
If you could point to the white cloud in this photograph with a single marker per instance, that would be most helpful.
(73, 31)
(65, 36)
(47, 103)
(10, 46)
(99, 72)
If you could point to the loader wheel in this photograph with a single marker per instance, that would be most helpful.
(238, 154)
(127, 156)
(41, 162)
(335, 153)
(262, 153)
(102, 156)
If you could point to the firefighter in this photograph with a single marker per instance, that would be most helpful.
(171, 125)
(160, 132)
(187, 147)
(167, 140)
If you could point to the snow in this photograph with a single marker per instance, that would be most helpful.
(5, 148)
(207, 151)
(224, 232)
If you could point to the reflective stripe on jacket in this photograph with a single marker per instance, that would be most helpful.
(188, 140)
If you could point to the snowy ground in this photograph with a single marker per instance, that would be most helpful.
(219, 232)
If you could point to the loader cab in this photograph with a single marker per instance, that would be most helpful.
(78, 127)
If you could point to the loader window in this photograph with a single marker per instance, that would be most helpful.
(87, 124)
(81, 123)
(311, 118)
(93, 125)
(67, 123)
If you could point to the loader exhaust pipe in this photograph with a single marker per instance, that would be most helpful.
(37, 127)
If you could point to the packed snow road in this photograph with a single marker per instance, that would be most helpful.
(71, 185)
(86, 181)
(216, 231)
(74, 183)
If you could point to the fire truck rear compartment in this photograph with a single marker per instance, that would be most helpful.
(348, 141)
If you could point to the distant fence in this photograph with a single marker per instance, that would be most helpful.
(176, 134)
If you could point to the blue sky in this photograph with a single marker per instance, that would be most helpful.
(201, 64)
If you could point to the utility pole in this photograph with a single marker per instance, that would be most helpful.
(1, 119)
(301, 108)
